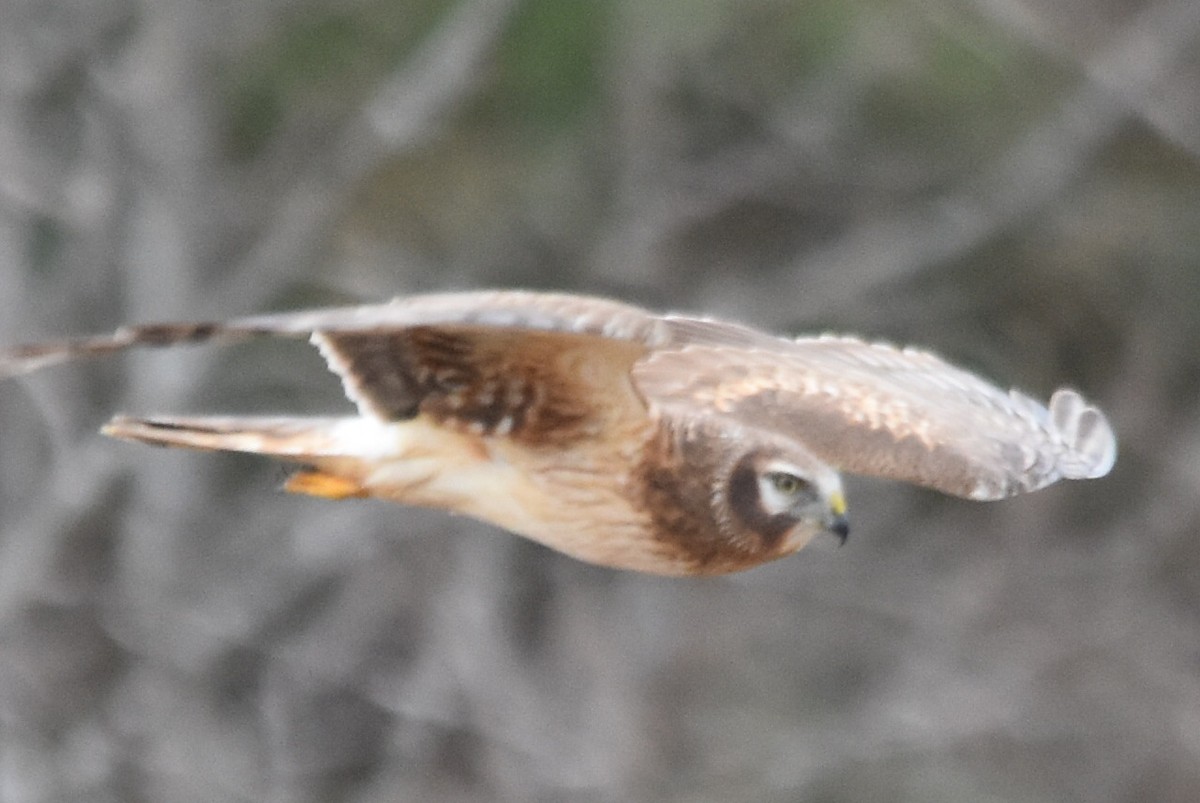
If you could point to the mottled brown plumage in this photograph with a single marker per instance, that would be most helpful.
(663, 444)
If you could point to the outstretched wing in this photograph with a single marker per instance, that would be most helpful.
(536, 367)
(877, 410)
(547, 312)
(548, 368)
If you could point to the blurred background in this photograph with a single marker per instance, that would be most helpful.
(1014, 183)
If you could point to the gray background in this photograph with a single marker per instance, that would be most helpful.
(1015, 184)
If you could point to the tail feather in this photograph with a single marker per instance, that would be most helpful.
(334, 454)
(295, 439)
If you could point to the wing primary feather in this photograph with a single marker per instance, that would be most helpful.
(25, 359)
(1088, 443)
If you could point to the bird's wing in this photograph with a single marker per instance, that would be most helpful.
(533, 366)
(536, 368)
(554, 367)
(875, 409)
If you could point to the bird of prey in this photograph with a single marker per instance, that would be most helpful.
(666, 444)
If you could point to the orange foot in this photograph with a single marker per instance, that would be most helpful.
(326, 486)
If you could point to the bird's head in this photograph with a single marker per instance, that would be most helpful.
(726, 497)
(781, 495)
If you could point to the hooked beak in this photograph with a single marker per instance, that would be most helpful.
(837, 522)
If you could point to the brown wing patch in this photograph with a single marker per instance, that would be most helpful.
(532, 386)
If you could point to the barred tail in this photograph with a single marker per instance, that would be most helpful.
(331, 451)
(277, 436)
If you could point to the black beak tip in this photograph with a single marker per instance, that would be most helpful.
(841, 528)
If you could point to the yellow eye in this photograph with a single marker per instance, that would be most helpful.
(786, 484)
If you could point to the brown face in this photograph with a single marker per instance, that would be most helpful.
(721, 502)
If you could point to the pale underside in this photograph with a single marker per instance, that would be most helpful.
(577, 503)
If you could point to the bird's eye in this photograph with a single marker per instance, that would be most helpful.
(784, 483)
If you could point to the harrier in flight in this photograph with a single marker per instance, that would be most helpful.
(658, 443)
